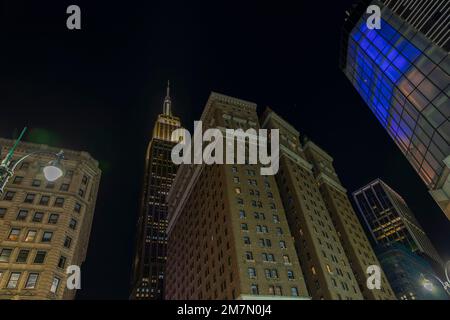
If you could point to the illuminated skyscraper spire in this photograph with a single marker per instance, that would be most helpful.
(167, 102)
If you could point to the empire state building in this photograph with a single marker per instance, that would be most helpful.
(151, 241)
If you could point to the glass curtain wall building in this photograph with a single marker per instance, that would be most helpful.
(410, 275)
(403, 76)
(390, 220)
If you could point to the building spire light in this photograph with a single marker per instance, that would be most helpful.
(167, 101)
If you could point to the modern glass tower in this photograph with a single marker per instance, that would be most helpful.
(410, 275)
(390, 220)
(150, 256)
(402, 72)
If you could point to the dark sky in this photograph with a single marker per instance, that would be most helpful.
(99, 90)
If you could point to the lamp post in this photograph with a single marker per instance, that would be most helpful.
(52, 171)
(428, 285)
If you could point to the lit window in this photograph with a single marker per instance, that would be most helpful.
(14, 234)
(13, 280)
(55, 285)
(31, 236)
(5, 254)
(32, 281)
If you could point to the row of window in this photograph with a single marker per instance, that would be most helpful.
(266, 257)
(24, 254)
(265, 243)
(259, 216)
(31, 235)
(30, 283)
(253, 192)
(43, 201)
(269, 273)
(262, 229)
(273, 290)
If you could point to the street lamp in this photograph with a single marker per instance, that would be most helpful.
(52, 171)
(429, 286)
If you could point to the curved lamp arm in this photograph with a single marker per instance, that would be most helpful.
(59, 156)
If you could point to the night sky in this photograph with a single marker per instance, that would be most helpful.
(99, 90)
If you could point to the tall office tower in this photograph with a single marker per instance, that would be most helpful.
(402, 72)
(329, 239)
(151, 241)
(45, 226)
(228, 236)
(390, 220)
(353, 238)
(411, 276)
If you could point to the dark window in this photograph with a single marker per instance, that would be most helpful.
(59, 202)
(254, 289)
(290, 275)
(22, 257)
(77, 207)
(25, 165)
(22, 215)
(36, 183)
(67, 242)
(18, 180)
(9, 195)
(81, 193)
(62, 262)
(64, 187)
(73, 224)
(29, 198)
(50, 185)
(69, 173)
(47, 236)
(2, 212)
(40, 257)
(85, 180)
(44, 200)
(38, 217)
(53, 218)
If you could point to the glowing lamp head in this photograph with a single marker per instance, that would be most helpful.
(428, 285)
(53, 170)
